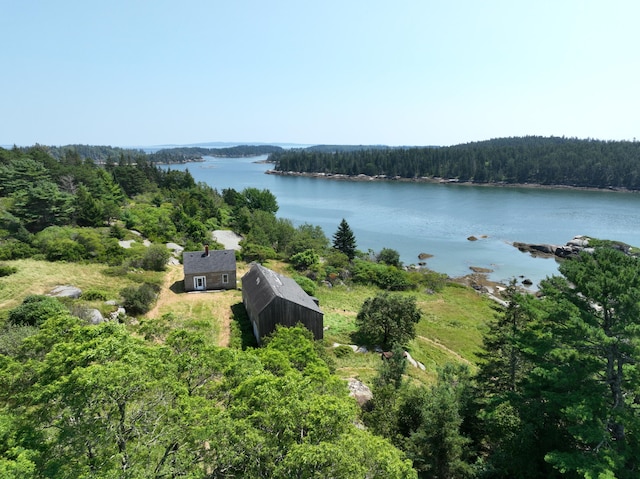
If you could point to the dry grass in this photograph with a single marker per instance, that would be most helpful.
(40, 277)
(208, 311)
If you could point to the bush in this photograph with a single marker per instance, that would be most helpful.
(342, 351)
(35, 309)
(255, 252)
(306, 284)
(389, 256)
(94, 295)
(155, 258)
(11, 338)
(139, 300)
(116, 231)
(305, 260)
(381, 275)
(14, 249)
(6, 270)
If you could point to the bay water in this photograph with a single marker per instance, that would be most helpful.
(438, 219)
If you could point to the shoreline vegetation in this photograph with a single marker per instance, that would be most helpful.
(442, 181)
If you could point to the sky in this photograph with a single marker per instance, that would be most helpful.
(404, 72)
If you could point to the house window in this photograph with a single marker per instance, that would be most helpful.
(225, 278)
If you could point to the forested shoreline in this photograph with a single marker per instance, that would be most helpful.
(546, 161)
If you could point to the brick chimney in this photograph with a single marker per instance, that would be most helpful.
(206, 250)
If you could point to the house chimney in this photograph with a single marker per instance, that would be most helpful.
(206, 250)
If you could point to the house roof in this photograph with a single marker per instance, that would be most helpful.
(196, 262)
(262, 285)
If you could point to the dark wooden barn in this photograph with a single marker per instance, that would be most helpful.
(271, 299)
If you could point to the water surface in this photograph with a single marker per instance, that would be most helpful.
(437, 219)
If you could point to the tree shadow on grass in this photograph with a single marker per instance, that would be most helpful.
(241, 329)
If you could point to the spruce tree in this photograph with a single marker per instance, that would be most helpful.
(344, 240)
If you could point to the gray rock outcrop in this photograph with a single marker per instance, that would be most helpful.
(65, 291)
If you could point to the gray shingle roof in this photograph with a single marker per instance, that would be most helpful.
(276, 285)
(196, 262)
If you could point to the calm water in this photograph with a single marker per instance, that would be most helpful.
(437, 219)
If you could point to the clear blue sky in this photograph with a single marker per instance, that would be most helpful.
(419, 72)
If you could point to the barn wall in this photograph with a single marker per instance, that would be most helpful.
(286, 313)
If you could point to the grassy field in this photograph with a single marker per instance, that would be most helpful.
(40, 277)
(451, 327)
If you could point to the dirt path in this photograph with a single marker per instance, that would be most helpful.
(212, 306)
(444, 348)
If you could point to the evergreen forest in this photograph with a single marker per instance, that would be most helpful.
(549, 387)
(535, 160)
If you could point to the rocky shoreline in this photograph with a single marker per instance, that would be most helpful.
(570, 249)
(438, 180)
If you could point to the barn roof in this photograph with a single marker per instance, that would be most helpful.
(263, 285)
(196, 262)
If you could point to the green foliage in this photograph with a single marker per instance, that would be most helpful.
(11, 337)
(254, 252)
(387, 319)
(307, 237)
(153, 222)
(262, 200)
(42, 204)
(560, 399)
(436, 442)
(139, 300)
(95, 401)
(36, 309)
(7, 270)
(344, 240)
(531, 159)
(307, 259)
(389, 256)
(94, 295)
(384, 276)
(306, 284)
(155, 258)
(342, 351)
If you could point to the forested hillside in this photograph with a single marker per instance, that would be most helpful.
(537, 160)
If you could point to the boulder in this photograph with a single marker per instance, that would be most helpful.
(359, 391)
(93, 316)
(66, 291)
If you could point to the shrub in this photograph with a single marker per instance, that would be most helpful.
(11, 338)
(342, 351)
(389, 256)
(139, 300)
(14, 249)
(306, 284)
(255, 252)
(155, 258)
(35, 309)
(305, 260)
(94, 295)
(6, 270)
(116, 231)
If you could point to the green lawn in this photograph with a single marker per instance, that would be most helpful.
(453, 322)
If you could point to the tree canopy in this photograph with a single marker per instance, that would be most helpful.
(530, 159)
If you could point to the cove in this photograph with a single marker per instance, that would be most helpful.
(437, 219)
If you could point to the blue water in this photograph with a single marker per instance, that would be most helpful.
(437, 219)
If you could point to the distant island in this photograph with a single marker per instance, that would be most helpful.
(101, 154)
(546, 161)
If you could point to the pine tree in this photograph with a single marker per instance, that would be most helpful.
(344, 240)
